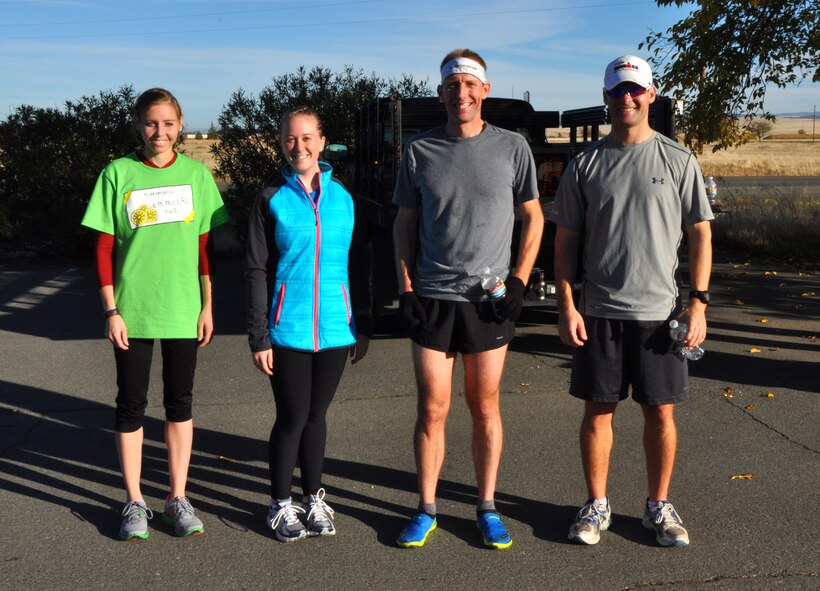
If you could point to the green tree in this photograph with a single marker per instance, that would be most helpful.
(726, 53)
(248, 155)
(213, 134)
(49, 161)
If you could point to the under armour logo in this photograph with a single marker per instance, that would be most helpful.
(654, 181)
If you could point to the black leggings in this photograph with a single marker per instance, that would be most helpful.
(304, 384)
(133, 370)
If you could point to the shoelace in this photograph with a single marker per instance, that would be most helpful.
(132, 512)
(183, 505)
(592, 513)
(319, 510)
(667, 516)
(290, 514)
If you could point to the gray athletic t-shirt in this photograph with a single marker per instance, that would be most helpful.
(465, 191)
(631, 201)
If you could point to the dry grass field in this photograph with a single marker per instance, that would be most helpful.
(200, 150)
(764, 158)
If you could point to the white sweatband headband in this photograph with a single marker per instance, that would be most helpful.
(463, 65)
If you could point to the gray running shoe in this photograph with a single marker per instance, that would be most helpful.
(668, 525)
(284, 521)
(135, 516)
(320, 515)
(591, 520)
(179, 513)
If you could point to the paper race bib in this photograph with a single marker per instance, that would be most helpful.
(160, 205)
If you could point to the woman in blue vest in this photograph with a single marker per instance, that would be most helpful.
(308, 309)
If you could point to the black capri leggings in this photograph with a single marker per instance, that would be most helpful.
(304, 384)
(133, 371)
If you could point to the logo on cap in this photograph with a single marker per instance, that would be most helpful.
(629, 65)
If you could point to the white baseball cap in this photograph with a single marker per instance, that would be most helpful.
(627, 68)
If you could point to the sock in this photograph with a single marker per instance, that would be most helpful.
(601, 502)
(428, 508)
(655, 506)
(485, 506)
(282, 502)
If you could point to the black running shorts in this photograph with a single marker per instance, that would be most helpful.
(463, 327)
(623, 353)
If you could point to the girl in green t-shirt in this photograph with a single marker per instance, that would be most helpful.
(154, 210)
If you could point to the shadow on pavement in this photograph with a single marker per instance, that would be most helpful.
(73, 456)
(61, 303)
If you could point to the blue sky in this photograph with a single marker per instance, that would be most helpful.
(204, 50)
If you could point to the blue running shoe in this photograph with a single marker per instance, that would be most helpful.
(416, 532)
(493, 530)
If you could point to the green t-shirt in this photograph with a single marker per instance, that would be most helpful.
(156, 216)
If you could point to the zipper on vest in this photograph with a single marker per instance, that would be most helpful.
(316, 255)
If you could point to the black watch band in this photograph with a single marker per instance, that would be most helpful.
(703, 296)
(111, 312)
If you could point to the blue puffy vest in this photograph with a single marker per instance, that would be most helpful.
(311, 307)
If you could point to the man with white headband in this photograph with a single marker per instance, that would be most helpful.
(628, 197)
(456, 192)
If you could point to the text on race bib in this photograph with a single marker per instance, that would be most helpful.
(160, 205)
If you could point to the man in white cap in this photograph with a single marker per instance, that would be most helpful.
(456, 193)
(628, 197)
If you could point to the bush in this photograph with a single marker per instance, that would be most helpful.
(49, 162)
(248, 155)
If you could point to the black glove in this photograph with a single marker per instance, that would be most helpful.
(509, 308)
(411, 311)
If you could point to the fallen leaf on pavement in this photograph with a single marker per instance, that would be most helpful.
(747, 476)
(774, 273)
(769, 395)
(739, 303)
(763, 320)
(750, 407)
(754, 350)
(808, 294)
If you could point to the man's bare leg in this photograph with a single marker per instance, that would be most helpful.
(434, 376)
(482, 383)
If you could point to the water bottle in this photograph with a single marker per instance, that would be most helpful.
(677, 331)
(711, 190)
(493, 285)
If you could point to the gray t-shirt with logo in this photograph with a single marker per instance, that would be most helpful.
(465, 191)
(631, 202)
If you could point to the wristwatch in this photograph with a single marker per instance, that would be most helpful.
(703, 296)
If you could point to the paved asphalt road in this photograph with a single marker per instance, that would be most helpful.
(60, 488)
